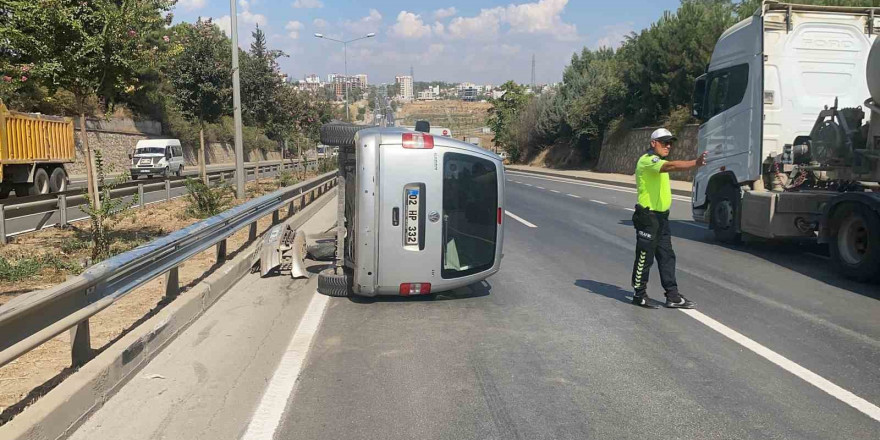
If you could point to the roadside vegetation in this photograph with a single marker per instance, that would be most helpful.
(104, 57)
(648, 80)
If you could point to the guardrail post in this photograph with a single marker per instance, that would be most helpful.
(141, 195)
(275, 217)
(221, 251)
(62, 210)
(80, 344)
(167, 190)
(252, 232)
(172, 283)
(291, 208)
(2, 224)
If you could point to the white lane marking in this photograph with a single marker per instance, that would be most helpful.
(594, 185)
(267, 417)
(540, 187)
(598, 201)
(572, 195)
(528, 184)
(630, 209)
(814, 379)
(696, 225)
(519, 219)
(554, 191)
(516, 181)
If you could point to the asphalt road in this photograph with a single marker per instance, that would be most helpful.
(549, 348)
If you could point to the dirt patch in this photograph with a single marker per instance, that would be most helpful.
(27, 378)
(465, 119)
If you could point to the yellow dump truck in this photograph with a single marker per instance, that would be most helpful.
(33, 151)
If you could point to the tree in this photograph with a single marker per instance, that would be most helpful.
(199, 76)
(90, 48)
(502, 115)
(260, 81)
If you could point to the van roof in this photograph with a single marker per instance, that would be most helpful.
(157, 143)
(392, 135)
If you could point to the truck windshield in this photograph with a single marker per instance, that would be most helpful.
(470, 203)
(150, 150)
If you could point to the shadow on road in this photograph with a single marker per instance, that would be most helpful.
(476, 290)
(606, 290)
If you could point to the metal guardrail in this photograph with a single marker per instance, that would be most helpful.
(33, 319)
(49, 204)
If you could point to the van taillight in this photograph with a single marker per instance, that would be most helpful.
(500, 215)
(418, 141)
(407, 289)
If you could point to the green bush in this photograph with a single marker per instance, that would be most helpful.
(18, 269)
(205, 201)
(286, 178)
(327, 165)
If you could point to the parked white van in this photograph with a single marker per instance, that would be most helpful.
(157, 157)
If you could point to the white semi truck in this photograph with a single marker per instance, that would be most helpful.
(793, 144)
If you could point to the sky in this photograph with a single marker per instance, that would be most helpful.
(481, 41)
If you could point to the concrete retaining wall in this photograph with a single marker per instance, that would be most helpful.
(621, 152)
(117, 137)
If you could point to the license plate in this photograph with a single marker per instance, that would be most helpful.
(145, 171)
(412, 217)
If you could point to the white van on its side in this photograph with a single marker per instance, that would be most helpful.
(157, 157)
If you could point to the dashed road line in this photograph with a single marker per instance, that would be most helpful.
(599, 202)
(520, 219)
(572, 195)
(630, 209)
(594, 185)
(554, 191)
(814, 379)
(540, 187)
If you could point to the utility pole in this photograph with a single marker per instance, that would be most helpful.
(533, 74)
(240, 177)
(346, 83)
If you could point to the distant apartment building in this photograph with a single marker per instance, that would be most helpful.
(405, 87)
(360, 80)
(430, 94)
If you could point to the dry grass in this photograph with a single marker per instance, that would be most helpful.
(32, 375)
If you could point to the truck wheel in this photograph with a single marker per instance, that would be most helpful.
(41, 182)
(725, 205)
(333, 284)
(855, 242)
(58, 180)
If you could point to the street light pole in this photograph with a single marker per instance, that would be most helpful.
(346, 83)
(240, 177)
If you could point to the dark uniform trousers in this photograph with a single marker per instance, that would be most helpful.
(653, 239)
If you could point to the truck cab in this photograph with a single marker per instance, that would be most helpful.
(769, 78)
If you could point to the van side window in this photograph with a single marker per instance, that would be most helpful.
(726, 89)
(178, 151)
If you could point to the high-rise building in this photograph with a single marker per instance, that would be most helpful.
(405, 87)
(360, 80)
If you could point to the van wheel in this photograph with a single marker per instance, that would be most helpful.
(166, 173)
(179, 171)
(855, 242)
(724, 217)
(58, 180)
(332, 284)
(41, 182)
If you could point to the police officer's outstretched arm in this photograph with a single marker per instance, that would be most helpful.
(683, 165)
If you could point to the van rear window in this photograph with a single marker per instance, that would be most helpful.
(470, 203)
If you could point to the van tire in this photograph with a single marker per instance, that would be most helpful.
(340, 134)
(724, 205)
(58, 180)
(179, 171)
(166, 173)
(333, 284)
(41, 182)
(855, 242)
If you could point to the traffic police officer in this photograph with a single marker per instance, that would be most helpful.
(651, 220)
